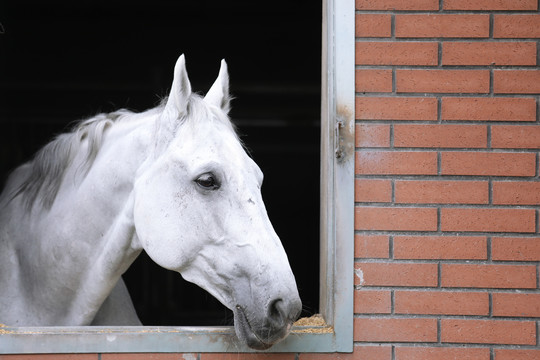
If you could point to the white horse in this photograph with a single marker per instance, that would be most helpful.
(174, 181)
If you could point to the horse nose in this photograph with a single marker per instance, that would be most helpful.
(282, 312)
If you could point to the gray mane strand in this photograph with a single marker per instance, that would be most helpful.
(48, 166)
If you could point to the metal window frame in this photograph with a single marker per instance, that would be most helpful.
(337, 234)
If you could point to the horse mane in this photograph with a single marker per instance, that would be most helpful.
(49, 165)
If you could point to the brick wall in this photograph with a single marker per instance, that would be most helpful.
(447, 245)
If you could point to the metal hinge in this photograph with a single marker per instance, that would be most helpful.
(338, 151)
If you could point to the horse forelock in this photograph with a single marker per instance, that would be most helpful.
(197, 111)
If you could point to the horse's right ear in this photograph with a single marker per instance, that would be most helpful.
(175, 106)
(180, 90)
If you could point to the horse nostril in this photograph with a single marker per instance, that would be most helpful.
(276, 312)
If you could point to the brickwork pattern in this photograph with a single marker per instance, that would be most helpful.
(447, 243)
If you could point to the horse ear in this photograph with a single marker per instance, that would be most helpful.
(175, 106)
(218, 95)
(180, 90)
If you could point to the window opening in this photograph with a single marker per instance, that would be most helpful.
(275, 76)
(38, 100)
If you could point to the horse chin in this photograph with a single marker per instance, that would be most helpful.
(247, 334)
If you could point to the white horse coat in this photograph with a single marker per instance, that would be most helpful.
(174, 181)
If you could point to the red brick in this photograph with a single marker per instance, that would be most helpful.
(440, 247)
(442, 81)
(396, 163)
(441, 303)
(398, 330)
(516, 81)
(440, 136)
(441, 192)
(515, 249)
(488, 276)
(372, 302)
(371, 246)
(147, 356)
(489, 109)
(518, 305)
(397, 5)
(370, 190)
(395, 218)
(395, 274)
(488, 332)
(396, 53)
(516, 26)
(373, 25)
(441, 353)
(489, 53)
(370, 80)
(396, 108)
(515, 137)
(488, 220)
(359, 353)
(246, 356)
(50, 357)
(516, 193)
(488, 164)
(490, 5)
(435, 25)
(379, 352)
(517, 354)
(371, 135)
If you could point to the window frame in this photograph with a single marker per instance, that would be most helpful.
(336, 244)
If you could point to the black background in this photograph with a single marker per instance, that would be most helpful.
(62, 61)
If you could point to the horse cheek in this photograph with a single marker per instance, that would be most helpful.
(158, 218)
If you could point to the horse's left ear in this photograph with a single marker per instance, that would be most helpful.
(218, 95)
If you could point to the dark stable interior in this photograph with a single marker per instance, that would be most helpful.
(62, 61)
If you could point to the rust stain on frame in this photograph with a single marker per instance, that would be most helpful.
(344, 140)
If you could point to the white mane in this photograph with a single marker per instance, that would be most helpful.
(48, 166)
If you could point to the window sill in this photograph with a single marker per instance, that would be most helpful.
(114, 339)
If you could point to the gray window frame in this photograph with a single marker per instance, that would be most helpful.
(337, 238)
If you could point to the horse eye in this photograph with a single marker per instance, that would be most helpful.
(207, 182)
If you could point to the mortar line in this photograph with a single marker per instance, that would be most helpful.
(439, 330)
(490, 191)
(490, 304)
(489, 136)
(489, 247)
(491, 25)
(393, 26)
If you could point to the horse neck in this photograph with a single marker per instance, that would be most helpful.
(87, 239)
(103, 200)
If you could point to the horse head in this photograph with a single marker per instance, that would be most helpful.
(199, 211)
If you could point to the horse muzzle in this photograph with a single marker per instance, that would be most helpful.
(261, 332)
